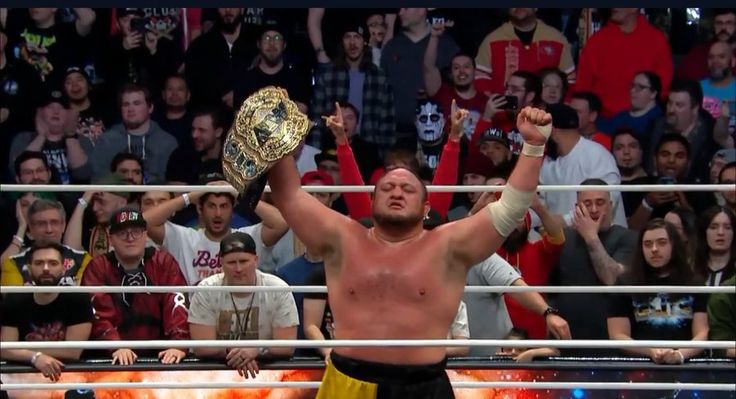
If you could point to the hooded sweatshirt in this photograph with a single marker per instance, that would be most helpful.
(154, 147)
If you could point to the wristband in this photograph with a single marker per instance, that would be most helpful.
(646, 205)
(35, 357)
(83, 203)
(19, 240)
(185, 197)
(682, 357)
(532, 150)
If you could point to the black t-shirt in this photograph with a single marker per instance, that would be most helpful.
(632, 199)
(291, 78)
(658, 316)
(317, 277)
(180, 128)
(45, 322)
(93, 121)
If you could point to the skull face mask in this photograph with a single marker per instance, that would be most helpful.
(429, 122)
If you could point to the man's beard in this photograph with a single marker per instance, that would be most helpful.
(627, 171)
(515, 240)
(46, 280)
(462, 88)
(396, 221)
(731, 38)
(552, 149)
(228, 27)
(719, 75)
(271, 61)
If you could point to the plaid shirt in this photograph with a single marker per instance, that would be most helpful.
(377, 119)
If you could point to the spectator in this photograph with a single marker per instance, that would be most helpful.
(327, 162)
(55, 136)
(671, 161)
(495, 145)
(554, 86)
(613, 56)
(644, 96)
(18, 97)
(526, 88)
(588, 106)
(45, 316)
(32, 167)
(402, 59)
(137, 134)
(686, 224)
(174, 116)
(524, 354)
(45, 44)
(378, 35)
(46, 223)
(728, 176)
(694, 65)
(208, 129)
(325, 22)
(720, 159)
(659, 260)
(215, 58)
(627, 150)
(571, 159)
(461, 88)
(92, 115)
(138, 54)
(179, 25)
(716, 256)
(476, 170)
(430, 127)
(352, 77)
(129, 167)
(719, 88)
(19, 204)
(722, 317)
(594, 254)
(366, 154)
(96, 238)
(525, 43)
(196, 250)
(271, 69)
(130, 316)
(238, 316)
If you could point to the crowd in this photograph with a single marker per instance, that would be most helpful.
(146, 96)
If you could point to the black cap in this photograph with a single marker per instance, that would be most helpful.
(237, 242)
(326, 155)
(563, 116)
(271, 24)
(55, 96)
(121, 12)
(495, 134)
(354, 25)
(126, 218)
(76, 69)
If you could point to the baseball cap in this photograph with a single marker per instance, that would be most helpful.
(563, 116)
(124, 218)
(728, 155)
(237, 242)
(317, 176)
(326, 155)
(271, 24)
(76, 69)
(55, 96)
(353, 25)
(121, 12)
(495, 134)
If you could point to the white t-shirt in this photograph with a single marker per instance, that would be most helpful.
(252, 317)
(587, 160)
(459, 327)
(198, 256)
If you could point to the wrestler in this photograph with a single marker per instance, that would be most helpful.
(397, 280)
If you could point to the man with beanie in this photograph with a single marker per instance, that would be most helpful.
(570, 160)
(352, 77)
(137, 316)
(242, 315)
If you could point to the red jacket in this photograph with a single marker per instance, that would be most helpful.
(359, 204)
(611, 59)
(138, 316)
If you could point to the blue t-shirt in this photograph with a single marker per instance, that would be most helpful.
(714, 96)
(640, 124)
(355, 92)
(297, 272)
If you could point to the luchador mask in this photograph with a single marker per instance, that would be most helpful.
(429, 121)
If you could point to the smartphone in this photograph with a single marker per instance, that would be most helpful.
(139, 25)
(667, 180)
(512, 102)
(435, 16)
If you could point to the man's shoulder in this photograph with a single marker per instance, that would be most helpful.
(505, 32)
(548, 32)
(213, 280)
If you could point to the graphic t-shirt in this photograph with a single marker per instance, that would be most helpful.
(197, 255)
(713, 97)
(91, 123)
(252, 317)
(55, 152)
(45, 322)
(475, 107)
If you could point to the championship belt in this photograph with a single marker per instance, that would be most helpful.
(267, 128)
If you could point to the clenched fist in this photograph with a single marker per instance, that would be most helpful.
(535, 125)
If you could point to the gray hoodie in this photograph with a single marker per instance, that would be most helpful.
(154, 148)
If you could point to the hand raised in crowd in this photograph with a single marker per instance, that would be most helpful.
(244, 360)
(49, 367)
(21, 216)
(438, 28)
(171, 356)
(124, 357)
(151, 42)
(132, 40)
(227, 99)
(584, 224)
(457, 118)
(337, 126)
(558, 326)
(726, 109)
(535, 125)
(494, 105)
(42, 128)
(658, 198)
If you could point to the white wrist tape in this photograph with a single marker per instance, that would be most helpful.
(537, 151)
(510, 209)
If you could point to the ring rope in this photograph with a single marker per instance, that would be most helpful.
(360, 189)
(367, 343)
(628, 289)
(533, 385)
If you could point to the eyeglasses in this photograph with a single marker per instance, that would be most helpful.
(132, 234)
(272, 38)
(639, 87)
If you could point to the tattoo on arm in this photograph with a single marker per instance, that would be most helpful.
(604, 265)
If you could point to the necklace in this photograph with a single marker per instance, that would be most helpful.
(242, 325)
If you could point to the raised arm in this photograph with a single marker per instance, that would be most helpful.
(475, 238)
(316, 225)
(432, 77)
(73, 233)
(274, 225)
(157, 216)
(314, 30)
(446, 173)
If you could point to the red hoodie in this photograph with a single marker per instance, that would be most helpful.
(359, 204)
(612, 58)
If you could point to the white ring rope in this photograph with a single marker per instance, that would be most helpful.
(532, 385)
(367, 343)
(623, 289)
(357, 189)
